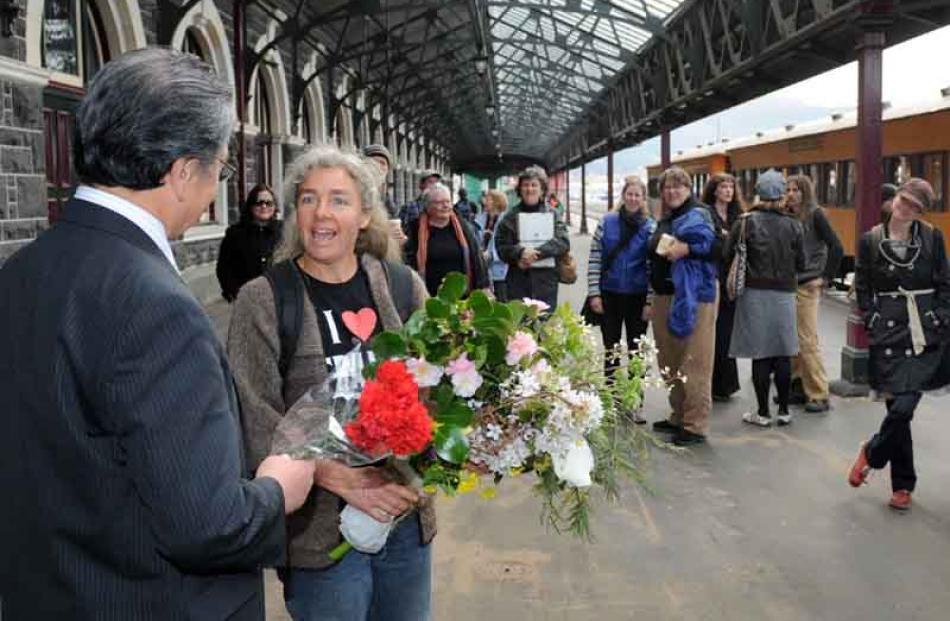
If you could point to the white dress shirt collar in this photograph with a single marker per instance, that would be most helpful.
(149, 224)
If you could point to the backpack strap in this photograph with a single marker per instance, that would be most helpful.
(287, 286)
(399, 278)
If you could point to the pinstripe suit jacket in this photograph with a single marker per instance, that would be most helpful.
(120, 447)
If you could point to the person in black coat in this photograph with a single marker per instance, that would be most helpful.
(441, 241)
(248, 245)
(722, 197)
(126, 493)
(902, 283)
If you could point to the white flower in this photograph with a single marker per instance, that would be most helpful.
(362, 531)
(574, 466)
(466, 383)
(426, 373)
(492, 431)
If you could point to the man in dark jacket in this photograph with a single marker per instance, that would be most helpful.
(525, 279)
(120, 448)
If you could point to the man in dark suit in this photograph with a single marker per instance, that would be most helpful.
(120, 455)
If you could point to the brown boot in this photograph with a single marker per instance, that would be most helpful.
(900, 500)
(858, 474)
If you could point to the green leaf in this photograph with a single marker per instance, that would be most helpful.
(518, 310)
(455, 414)
(451, 444)
(443, 396)
(502, 311)
(492, 325)
(415, 322)
(389, 345)
(439, 352)
(496, 349)
(437, 308)
(480, 304)
(453, 287)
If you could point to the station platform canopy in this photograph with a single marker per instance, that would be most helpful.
(498, 84)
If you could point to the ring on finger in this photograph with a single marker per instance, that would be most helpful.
(384, 513)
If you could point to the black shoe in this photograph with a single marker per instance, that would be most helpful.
(665, 426)
(794, 398)
(688, 438)
(721, 398)
(817, 405)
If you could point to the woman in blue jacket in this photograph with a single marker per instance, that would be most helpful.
(617, 271)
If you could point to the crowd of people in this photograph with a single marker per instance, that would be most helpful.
(158, 460)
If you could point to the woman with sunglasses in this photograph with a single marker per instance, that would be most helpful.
(248, 245)
(902, 283)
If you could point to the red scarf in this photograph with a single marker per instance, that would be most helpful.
(423, 250)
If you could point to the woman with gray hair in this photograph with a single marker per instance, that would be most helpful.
(334, 247)
(441, 242)
(525, 279)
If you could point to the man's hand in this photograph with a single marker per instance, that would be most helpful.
(677, 251)
(368, 489)
(597, 304)
(295, 477)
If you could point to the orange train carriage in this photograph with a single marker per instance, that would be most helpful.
(916, 143)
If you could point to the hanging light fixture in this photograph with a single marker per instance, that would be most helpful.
(481, 65)
(490, 110)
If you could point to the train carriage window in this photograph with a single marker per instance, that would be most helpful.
(830, 182)
(932, 171)
(849, 183)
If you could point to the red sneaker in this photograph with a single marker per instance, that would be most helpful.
(900, 500)
(858, 475)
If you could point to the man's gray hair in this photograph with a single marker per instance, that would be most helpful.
(432, 190)
(146, 109)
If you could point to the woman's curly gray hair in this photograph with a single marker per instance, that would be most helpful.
(374, 239)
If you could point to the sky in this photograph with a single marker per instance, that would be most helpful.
(912, 74)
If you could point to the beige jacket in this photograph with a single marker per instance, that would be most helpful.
(253, 349)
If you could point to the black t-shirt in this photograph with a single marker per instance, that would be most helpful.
(443, 255)
(348, 321)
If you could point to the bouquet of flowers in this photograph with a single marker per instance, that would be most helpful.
(471, 391)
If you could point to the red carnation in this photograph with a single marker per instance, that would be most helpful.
(391, 417)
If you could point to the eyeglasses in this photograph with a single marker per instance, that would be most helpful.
(227, 170)
(264, 203)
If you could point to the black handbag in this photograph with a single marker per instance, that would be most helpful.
(589, 316)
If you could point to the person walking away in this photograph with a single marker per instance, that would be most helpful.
(464, 208)
(684, 255)
(248, 245)
(334, 249)
(524, 280)
(617, 280)
(823, 252)
(380, 156)
(442, 243)
(764, 328)
(126, 491)
(725, 206)
(902, 282)
(496, 204)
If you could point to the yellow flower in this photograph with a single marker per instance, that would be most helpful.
(488, 493)
(430, 489)
(468, 482)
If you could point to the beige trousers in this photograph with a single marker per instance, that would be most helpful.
(808, 364)
(693, 357)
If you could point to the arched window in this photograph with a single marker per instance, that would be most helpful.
(262, 115)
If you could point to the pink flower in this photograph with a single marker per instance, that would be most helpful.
(520, 345)
(460, 365)
(538, 304)
(426, 373)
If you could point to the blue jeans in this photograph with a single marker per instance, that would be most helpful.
(393, 585)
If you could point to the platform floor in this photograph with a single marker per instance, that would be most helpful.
(755, 525)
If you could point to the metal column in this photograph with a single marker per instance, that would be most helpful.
(584, 198)
(610, 176)
(240, 41)
(567, 195)
(665, 159)
(854, 355)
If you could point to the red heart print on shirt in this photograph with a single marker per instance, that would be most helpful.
(361, 324)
